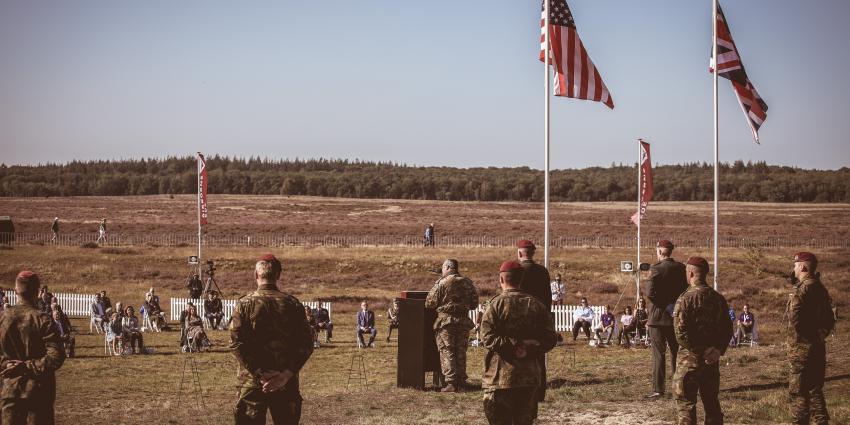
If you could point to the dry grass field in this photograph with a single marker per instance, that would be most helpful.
(602, 385)
(588, 385)
(251, 215)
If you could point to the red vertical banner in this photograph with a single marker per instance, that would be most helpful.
(202, 189)
(645, 188)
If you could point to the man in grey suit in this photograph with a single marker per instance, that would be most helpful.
(98, 312)
(667, 281)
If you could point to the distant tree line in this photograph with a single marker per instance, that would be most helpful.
(362, 179)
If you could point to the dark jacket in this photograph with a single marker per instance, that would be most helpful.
(667, 281)
(536, 282)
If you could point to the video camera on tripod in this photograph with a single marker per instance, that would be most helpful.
(210, 268)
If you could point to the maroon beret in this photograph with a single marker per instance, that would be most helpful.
(525, 243)
(268, 257)
(27, 277)
(700, 262)
(805, 256)
(664, 243)
(510, 266)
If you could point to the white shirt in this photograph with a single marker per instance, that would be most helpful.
(627, 319)
(558, 290)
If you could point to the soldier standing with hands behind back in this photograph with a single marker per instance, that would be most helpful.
(452, 296)
(271, 340)
(667, 281)
(810, 320)
(30, 354)
(516, 329)
(703, 328)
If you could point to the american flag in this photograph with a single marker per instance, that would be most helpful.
(729, 66)
(575, 74)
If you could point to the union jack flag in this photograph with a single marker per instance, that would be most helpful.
(575, 74)
(729, 66)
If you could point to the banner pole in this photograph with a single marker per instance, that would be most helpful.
(637, 271)
(546, 137)
(716, 142)
(198, 166)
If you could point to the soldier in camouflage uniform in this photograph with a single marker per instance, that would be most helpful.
(452, 296)
(516, 329)
(703, 329)
(535, 282)
(30, 354)
(810, 320)
(271, 340)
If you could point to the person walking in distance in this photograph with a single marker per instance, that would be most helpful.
(31, 351)
(516, 329)
(101, 231)
(810, 321)
(271, 340)
(452, 297)
(703, 328)
(54, 228)
(537, 283)
(667, 281)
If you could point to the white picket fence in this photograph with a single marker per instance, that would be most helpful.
(74, 305)
(565, 316)
(179, 304)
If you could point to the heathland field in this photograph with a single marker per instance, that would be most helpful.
(588, 385)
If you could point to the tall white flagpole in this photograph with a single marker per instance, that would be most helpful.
(716, 140)
(546, 138)
(639, 219)
(200, 230)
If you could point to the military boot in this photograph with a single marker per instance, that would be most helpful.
(450, 388)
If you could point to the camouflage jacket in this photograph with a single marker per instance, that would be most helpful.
(28, 334)
(453, 296)
(701, 320)
(810, 316)
(269, 331)
(513, 316)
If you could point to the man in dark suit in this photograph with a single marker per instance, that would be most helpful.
(667, 281)
(536, 282)
(366, 324)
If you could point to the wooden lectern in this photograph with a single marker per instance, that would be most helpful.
(417, 348)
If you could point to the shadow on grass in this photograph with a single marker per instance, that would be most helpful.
(561, 382)
(775, 385)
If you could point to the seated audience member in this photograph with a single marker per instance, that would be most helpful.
(213, 309)
(119, 308)
(119, 336)
(98, 311)
(734, 317)
(746, 324)
(392, 318)
(366, 325)
(154, 296)
(583, 318)
(323, 321)
(154, 312)
(195, 335)
(2, 301)
(641, 318)
(311, 320)
(606, 324)
(559, 289)
(133, 330)
(45, 299)
(64, 330)
(627, 320)
(107, 303)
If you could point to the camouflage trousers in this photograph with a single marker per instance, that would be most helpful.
(510, 406)
(694, 377)
(452, 341)
(253, 403)
(27, 411)
(805, 384)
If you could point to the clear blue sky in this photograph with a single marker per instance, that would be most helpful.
(440, 82)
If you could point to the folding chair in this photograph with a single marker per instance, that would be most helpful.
(93, 325)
